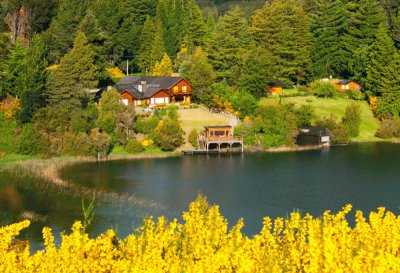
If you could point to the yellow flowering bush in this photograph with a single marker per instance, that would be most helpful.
(204, 243)
(115, 72)
(147, 142)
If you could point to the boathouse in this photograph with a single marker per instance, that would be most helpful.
(219, 138)
(314, 136)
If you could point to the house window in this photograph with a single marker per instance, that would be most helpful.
(124, 101)
(159, 100)
(343, 87)
(184, 88)
(175, 89)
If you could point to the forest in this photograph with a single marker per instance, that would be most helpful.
(54, 51)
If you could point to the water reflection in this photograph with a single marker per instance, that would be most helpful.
(249, 186)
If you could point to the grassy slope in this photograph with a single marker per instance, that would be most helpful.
(326, 107)
(198, 118)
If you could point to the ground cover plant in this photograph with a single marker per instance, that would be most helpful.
(203, 242)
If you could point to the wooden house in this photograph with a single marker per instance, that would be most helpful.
(276, 88)
(219, 138)
(310, 136)
(347, 85)
(153, 91)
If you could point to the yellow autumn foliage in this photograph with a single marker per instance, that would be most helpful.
(115, 72)
(204, 243)
(147, 142)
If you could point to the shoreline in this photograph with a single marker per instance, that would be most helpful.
(49, 170)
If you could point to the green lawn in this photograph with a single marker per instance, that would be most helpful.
(14, 157)
(337, 106)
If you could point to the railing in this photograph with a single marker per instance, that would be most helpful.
(220, 138)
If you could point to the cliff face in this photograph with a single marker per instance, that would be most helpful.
(18, 23)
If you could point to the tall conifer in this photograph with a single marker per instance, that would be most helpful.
(76, 74)
(146, 41)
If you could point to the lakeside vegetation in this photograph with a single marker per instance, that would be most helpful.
(335, 106)
(203, 242)
(52, 63)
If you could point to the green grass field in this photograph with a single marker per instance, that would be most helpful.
(8, 158)
(337, 106)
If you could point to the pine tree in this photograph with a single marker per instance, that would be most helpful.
(69, 83)
(229, 41)
(379, 58)
(258, 72)
(329, 51)
(363, 22)
(15, 68)
(283, 29)
(33, 80)
(157, 48)
(63, 28)
(171, 14)
(195, 27)
(392, 9)
(146, 41)
(163, 68)
(96, 37)
(199, 72)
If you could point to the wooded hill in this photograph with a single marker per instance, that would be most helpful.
(60, 47)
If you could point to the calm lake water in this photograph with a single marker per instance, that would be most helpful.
(249, 186)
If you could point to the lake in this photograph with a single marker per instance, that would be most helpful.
(243, 185)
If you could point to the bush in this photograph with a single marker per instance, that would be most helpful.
(339, 132)
(168, 135)
(32, 142)
(134, 146)
(77, 145)
(352, 120)
(388, 128)
(8, 128)
(193, 138)
(323, 89)
(357, 95)
(146, 125)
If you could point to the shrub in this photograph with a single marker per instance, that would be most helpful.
(323, 89)
(338, 130)
(77, 145)
(388, 128)
(32, 142)
(168, 134)
(134, 146)
(193, 138)
(357, 95)
(352, 119)
(8, 128)
(146, 125)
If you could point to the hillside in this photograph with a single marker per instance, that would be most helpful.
(337, 106)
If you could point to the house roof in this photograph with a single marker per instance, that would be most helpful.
(277, 82)
(346, 81)
(217, 127)
(314, 131)
(142, 87)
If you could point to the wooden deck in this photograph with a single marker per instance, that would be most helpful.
(220, 143)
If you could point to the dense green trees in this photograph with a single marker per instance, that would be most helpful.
(283, 28)
(69, 84)
(230, 59)
(229, 41)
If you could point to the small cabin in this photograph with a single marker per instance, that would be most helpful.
(310, 136)
(218, 133)
(276, 88)
(347, 85)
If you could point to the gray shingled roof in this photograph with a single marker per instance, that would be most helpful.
(150, 85)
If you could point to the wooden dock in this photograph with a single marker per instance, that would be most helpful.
(198, 152)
